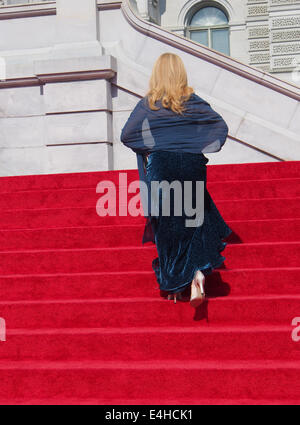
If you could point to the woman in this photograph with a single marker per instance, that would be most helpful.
(169, 129)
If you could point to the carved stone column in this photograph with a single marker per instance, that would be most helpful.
(285, 35)
(149, 10)
(77, 27)
(258, 34)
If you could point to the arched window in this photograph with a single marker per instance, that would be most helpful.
(209, 26)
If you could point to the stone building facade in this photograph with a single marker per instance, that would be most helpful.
(262, 33)
(71, 71)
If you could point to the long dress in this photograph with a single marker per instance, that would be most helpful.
(182, 250)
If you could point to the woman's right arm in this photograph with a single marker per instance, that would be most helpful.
(132, 133)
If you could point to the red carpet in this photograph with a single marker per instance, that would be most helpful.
(86, 323)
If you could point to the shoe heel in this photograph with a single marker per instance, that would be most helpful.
(202, 288)
(176, 296)
(197, 291)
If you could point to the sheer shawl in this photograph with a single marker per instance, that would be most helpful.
(199, 129)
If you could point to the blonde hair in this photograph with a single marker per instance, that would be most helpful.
(168, 83)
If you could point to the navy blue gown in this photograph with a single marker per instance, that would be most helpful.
(183, 250)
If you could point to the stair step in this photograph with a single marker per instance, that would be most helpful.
(144, 343)
(246, 255)
(218, 172)
(220, 283)
(146, 311)
(148, 401)
(124, 235)
(254, 189)
(266, 379)
(259, 209)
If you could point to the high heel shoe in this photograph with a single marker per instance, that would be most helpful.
(177, 296)
(197, 290)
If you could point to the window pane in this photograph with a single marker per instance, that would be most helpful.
(220, 40)
(200, 36)
(208, 16)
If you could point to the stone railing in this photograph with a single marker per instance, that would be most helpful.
(13, 2)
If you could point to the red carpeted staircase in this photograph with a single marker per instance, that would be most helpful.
(85, 319)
